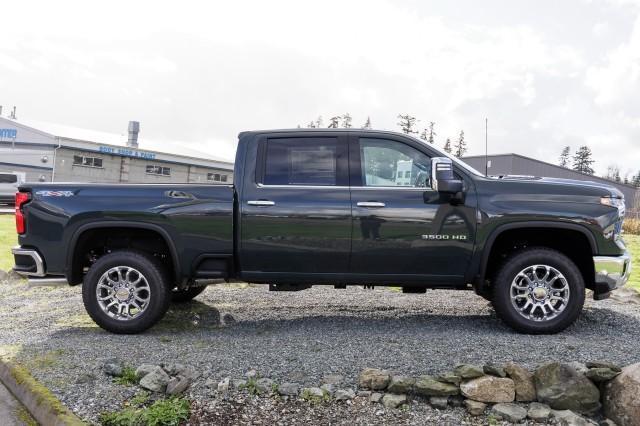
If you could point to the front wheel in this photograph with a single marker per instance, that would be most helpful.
(538, 291)
(126, 292)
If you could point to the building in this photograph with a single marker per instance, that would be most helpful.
(48, 152)
(514, 164)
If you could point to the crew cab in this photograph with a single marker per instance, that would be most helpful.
(329, 207)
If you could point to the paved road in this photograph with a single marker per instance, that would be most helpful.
(8, 408)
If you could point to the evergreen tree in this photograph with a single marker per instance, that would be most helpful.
(334, 122)
(367, 125)
(432, 133)
(346, 121)
(636, 180)
(460, 147)
(424, 135)
(407, 123)
(582, 160)
(447, 146)
(319, 122)
(564, 156)
(311, 125)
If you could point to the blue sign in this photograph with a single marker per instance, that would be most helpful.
(8, 133)
(127, 152)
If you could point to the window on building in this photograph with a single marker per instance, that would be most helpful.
(81, 160)
(223, 178)
(158, 170)
(216, 177)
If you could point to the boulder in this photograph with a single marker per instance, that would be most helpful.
(345, 394)
(181, 370)
(401, 384)
(264, 386)
(428, 386)
(569, 418)
(523, 380)
(223, 385)
(156, 380)
(563, 388)
(288, 389)
(510, 412)
(604, 364)
(440, 402)
(144, 369)
(539, 412)
(494, 370)
(391, 400)
(450, 377)
(376, 397)
(475, 408)
(468, 371)
(489, 389)
(580, 367)
(374, 379)
(113, 367)
(332, 379)
(177, 385)
(328, 388)
(312, 393)
(364, 394)
(620, 398)
(601, 374)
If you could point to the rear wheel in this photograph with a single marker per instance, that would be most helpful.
(186, 295)
(126, 292)
(538, 291)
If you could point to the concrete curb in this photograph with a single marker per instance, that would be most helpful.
(43, 406)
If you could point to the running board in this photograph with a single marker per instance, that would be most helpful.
(47, 282)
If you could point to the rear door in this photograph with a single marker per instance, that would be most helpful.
(403, 230)
(296, 208)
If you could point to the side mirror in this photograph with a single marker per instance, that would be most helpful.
(442, 177)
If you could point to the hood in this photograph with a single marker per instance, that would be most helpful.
(568, 186)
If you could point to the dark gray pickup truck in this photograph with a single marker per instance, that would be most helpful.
(336, 207)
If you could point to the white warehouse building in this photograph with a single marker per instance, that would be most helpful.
(48, 152)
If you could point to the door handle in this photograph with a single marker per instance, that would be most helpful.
(371, 204)
(261, 203)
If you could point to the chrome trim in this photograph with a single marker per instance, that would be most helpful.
(47, 282)
(368, 188)
(612, 270)
(261, 203)
(36, 259)
(371, 204)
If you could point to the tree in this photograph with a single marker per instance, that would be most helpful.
(613, 173)
(635, 181)
(460, 147)
(447, 146)
(319, 122)
(407, 123)
(367, 124)
(582, 160)
(564, 156)
(432, 134)
(311, 125)
(334, 122)
(346, 121)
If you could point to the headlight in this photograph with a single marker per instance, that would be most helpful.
(613, 202)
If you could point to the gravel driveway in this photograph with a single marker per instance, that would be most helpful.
(299, 336)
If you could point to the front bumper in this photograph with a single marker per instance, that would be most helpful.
(611, 272)
(28, 262)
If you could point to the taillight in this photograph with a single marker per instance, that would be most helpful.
(21, 199)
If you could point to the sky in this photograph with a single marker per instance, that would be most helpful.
(545, 73)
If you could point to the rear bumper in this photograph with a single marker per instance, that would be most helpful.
(28, 262)
(611, 272)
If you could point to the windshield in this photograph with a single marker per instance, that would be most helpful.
(453, 158)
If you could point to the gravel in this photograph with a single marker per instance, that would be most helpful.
(297, 337)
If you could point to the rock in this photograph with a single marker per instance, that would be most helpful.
(113, 367)
(489, 389)
(309, 393)
(428, 386)
(620, 397)
(539, 412)
(264, 386)
(580, 367)
(440, 402)
(223, 385)
(332, 379)
(457, 401)
(181, 370)
(239, 384)
(601, 374)
(510, 412)
(144, 369)
(156, 380)
(494, 370)
(392, 400)
(364, 394)
(376, 397)
(475, 408)
(563, 388)
(607, 422)
(450, 377)
(401, 384)
(569, 418)
(523, 381)
(251, 374)
(228, 319)
(345, 394)
(177, 385)
(374, 379)
(328, 388)
(288, 389)
(468, 371)
(604, 364)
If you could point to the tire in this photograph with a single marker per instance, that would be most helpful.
(151, 293)
(186, 295)
(512, 291)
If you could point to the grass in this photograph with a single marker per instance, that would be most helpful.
(128, 377)
(633, 244)
(8, 239)
(166, 412)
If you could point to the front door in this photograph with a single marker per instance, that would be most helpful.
(403, 230)
(296, 209)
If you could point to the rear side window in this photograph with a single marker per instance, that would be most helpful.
(301, 161)
(8, 178)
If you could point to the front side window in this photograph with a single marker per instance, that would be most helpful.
(386, 162)
(301, 161)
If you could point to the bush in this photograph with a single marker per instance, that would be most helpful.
(165, 412)
(631, 226)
